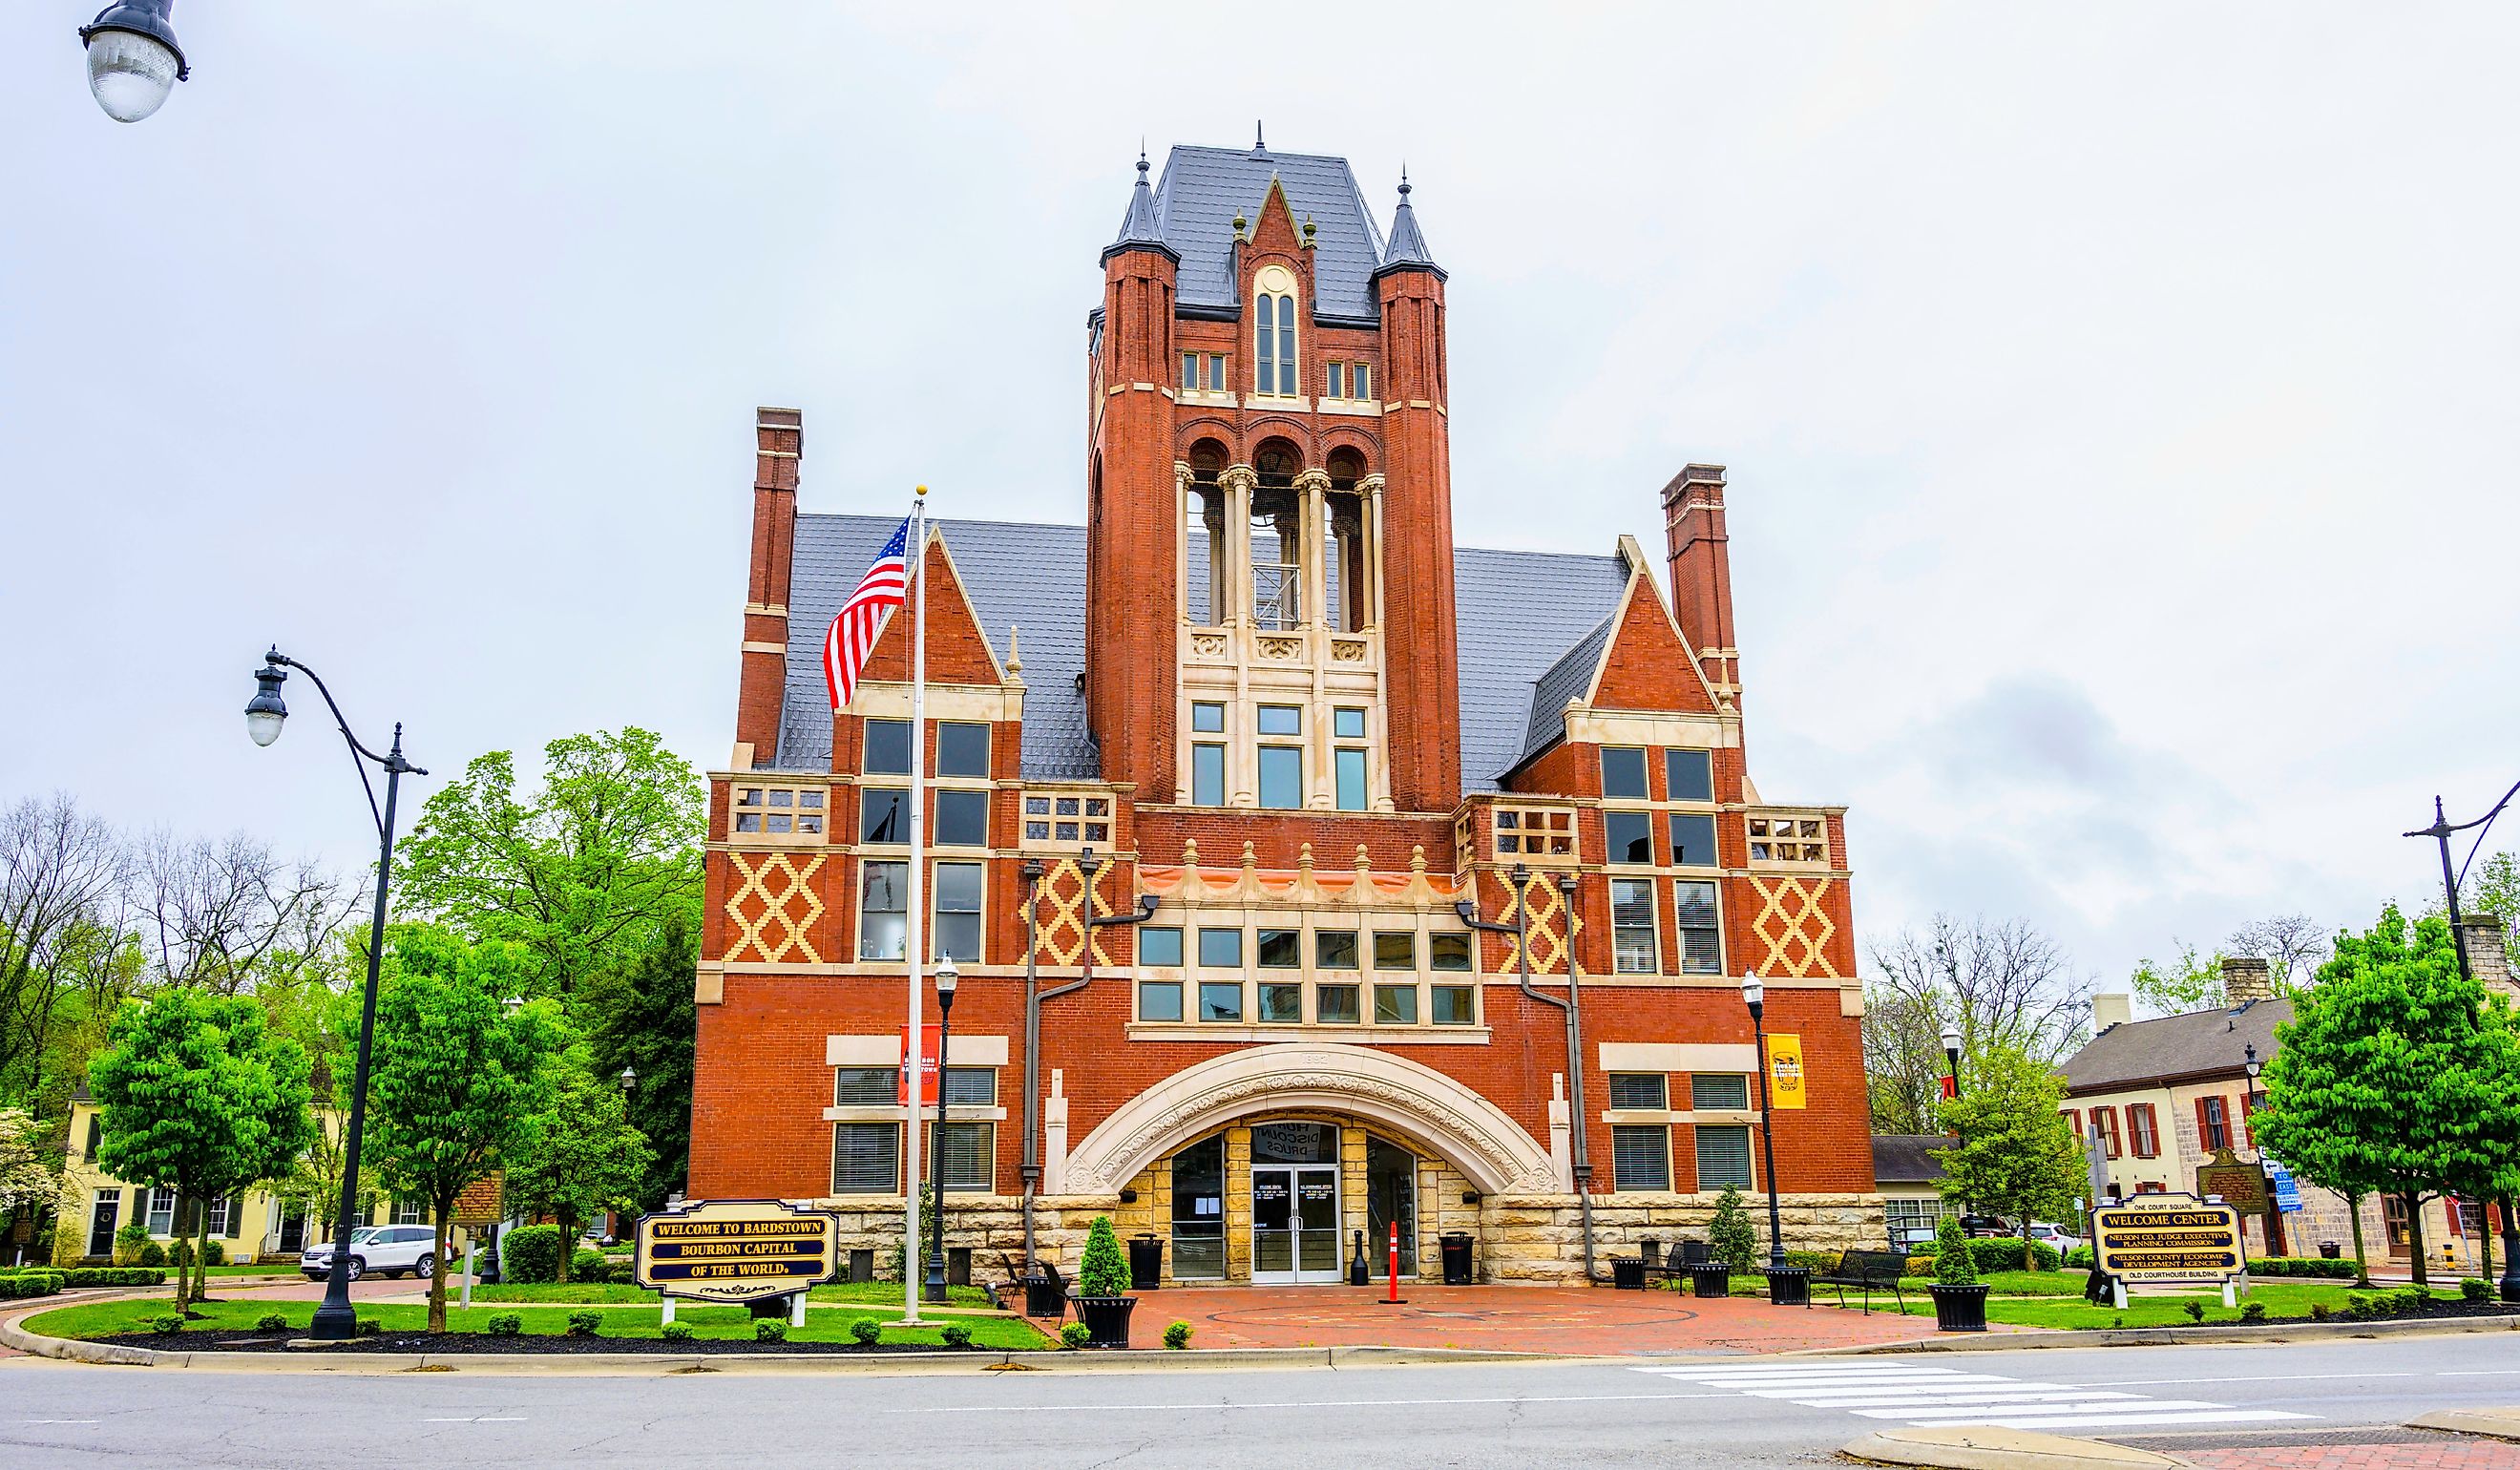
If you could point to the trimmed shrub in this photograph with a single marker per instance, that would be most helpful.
(153, 1254)
(770, 1329)
(1729, 1239)
(1917, 1265)
(271, 1321)
(506, 1324)
(369, 1326)
(676, 1332)
(1075, 1335)
(2195, 1312)
(585, 1323)
(2409, 1298)
(2253, 1311)
(2078, 1259)
(864, 1332)
(130, 1242)
(1176, 1336)
(2362, 1306)
(2302, 1265)
(214, 1253)
(534, 1255)
(1104, 1272)
(589, 1266)
(1816, 1260)
(2318, 1312)
(2475, 1291)
(1953, 1263)
(32, 1283)
(113, 1275)
(166, 1323)
(956, 1335)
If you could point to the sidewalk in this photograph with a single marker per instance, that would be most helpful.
(1554, 1319)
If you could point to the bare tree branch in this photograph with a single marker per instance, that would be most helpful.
(2001, 983)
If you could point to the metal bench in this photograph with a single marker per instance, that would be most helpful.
(1867, 1270)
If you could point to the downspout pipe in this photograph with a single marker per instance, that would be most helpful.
(1091, 868)
(1580, 1151)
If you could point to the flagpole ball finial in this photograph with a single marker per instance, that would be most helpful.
(922, 490)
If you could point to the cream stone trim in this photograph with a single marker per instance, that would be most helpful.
(1473, 1135)
(1604, 726)
(873, 1114)
(767, 609)
(1850, 1001)
(892, 702)
(756, 646)
(708, 988)
(975, 1052)
(1680, 1056)
(1374, 1035)
(878, 1051)
(741, 759)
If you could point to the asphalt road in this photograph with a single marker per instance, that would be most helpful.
(1741, 1411)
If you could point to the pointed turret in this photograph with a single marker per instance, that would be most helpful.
(1139, 230)
(1407, 249)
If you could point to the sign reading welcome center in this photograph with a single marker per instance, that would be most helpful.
(2167, 1237)
(733, 1250)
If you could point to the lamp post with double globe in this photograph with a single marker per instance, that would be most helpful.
(336, 1321)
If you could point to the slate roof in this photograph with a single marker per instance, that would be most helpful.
(1033, 576)
(2198, 1043)
(1569, 678)
(1907, 1158)
(1202, 189)
(1408, 244)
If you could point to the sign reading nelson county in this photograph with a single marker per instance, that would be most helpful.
(733, 1250)
(2167, 1237)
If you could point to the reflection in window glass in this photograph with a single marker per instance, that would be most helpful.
(1160, 946)
(1281, 1005)
(1220, 1001)
(1395, 952)
(1395, 1005)
(1334, 948)
(1455, 1006)
(1631, 836)
(1632, 926)
(962, 748)
(1281, 949)
(1334, 1004)
(1159, 1001)
(958, 910)
(1448, 951)
(1701, 937)
(1692, 839)
(882, 815)
(962, 819)
(883, 911)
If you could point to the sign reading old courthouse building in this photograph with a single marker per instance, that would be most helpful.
(1310, 826)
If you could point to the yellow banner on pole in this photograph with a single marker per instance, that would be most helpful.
(1785, 1071)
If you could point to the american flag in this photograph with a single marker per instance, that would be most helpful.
(852, 637)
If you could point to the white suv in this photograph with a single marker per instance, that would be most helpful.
(388, 1250)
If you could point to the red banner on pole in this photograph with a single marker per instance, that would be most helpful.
(928, 1037)
(1951, 1089)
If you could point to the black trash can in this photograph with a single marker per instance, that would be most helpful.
(1145, 1261)
(2330, 1250)
(1693, 1253)
(1458, 1269)
(1789, 1285)
(1045, 1295)
(1628, 1272)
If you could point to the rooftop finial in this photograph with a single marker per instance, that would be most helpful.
(1259, 139)
(1404, 181)
(1142, 158)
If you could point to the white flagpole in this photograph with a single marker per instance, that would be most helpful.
(914, 1265)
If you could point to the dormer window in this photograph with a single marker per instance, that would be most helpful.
(1272, 340)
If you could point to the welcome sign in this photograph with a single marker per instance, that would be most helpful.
(733, 1250)
(2167, 1237)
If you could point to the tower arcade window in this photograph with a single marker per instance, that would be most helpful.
(1204, 534)
(1346, 583)
(1277, 540)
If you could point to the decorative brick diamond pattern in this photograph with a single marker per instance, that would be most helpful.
(1794, 926)
(1063, 913)
(771, 911)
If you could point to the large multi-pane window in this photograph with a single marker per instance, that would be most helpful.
(1640, 1157)
(1700, 931)
(1274, 342)
(1723, 1155)
(866, 1158)
(1632, 926)
(883, 911)
(958, 910)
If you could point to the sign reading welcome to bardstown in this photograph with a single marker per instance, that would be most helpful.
(733, 1250)
(2167, 1237)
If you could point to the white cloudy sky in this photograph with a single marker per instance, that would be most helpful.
(2117, 399)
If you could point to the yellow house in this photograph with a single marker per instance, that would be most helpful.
(255, 1225)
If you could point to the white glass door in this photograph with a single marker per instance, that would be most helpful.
(1294, 1223)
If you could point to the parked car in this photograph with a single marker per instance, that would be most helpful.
(2062, 1240)
(387, 1250)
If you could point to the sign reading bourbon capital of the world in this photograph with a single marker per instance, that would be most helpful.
(2167, 1238)
(733, 1250)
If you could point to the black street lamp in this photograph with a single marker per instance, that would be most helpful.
(2250, 1064)
(947, 979)
(2440, 832)
(629, 1082)
(336, 1321)
(1952, 1054)
(132, 58)
(1756, 995)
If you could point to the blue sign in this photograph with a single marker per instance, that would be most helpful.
(2288, 1192)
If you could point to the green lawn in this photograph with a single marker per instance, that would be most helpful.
(872, 1293)
(2285, 1297)
(130, 1314)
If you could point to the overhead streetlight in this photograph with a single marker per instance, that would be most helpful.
(132, 60)
(947, 979)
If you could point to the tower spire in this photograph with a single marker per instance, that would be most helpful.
(1407, 249)
(1138, 228)
(1259, 138)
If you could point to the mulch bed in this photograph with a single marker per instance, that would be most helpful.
(230, 1341)
(2390, 1312)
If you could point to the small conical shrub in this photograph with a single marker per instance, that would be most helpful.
(1105, 1271)
(1729, 1239)
(1953, 1266)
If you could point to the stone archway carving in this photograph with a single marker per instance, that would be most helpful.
(1475, 1135)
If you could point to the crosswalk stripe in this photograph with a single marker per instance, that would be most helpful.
(2215, 1417)
(1924, 1414)
(1989, 1397)
(1926, 1395)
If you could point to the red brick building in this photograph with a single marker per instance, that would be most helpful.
(1229, 772)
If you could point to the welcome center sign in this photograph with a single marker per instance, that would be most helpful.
(733, 1250)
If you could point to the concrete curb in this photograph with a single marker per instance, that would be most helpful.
(2491, 1423)
(1158, 1360)
(2171, 1337)
(1987, 1449)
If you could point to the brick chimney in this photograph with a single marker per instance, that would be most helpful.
(1701, 574)
(778, 445)
(2488, 958)
(2111, 1008)
(2246, 978)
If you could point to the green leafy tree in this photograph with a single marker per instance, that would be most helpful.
(31, 1177)
(2015, 1155)
(2190, 980)
(2396, 1076)
(578, 1158)
(580, 871)
(647, 1022)
(1730, 1237)
(458, 1076)
(199, 1097)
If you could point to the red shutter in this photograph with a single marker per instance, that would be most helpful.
(2248, 1130)
(2204, 1127)
(2074, 1122)
(2147, 1130)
